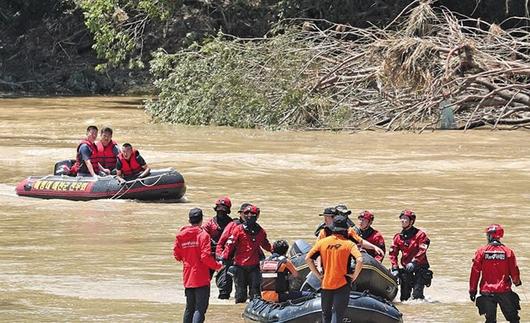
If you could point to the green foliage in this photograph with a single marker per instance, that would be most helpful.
(244, 84)
(118, 27)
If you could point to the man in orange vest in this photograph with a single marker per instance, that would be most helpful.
(130, 164)
(335, 252)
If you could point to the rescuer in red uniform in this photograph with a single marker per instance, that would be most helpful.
(365, 230)
(413, 244)
(244, 246)
(192, 247)
(496, 267)
(215, 228)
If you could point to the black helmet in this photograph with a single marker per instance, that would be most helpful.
(280, 247)
(342, 209)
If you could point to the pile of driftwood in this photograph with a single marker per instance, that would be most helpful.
(426, 70)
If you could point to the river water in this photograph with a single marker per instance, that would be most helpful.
(111, 260)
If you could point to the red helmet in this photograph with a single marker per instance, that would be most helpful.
(495, 231)
(251, 209)
(366, 215)
(409, 214)
(223, 201)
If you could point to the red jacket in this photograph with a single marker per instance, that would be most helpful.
(192, 247)
(130, 167)
(498, 267)
(246, 247)
(413, 244)
(105, 154)
(221, 243)
(376, 238)
(214, 229)
(79, 165)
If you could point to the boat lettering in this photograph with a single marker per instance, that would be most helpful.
(60, 186)
(54, 185)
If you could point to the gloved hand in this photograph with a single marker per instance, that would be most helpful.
(410, 267)
(519, 283)
(395, 272)
(472, 295)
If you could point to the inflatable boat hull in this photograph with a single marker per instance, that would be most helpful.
(362, 308)
(165, 184)
(374, 277)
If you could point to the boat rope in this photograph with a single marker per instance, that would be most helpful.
(141, 180)
(129, 184)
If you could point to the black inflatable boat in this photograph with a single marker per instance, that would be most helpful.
(374, 277)
(362, 308)
(162, 184)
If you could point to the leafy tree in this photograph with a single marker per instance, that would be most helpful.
(119, 27)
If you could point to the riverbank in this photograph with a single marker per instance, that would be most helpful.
(430, 68)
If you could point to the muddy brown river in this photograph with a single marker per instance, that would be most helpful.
(111, 260)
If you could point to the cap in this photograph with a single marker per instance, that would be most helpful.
(195, 214)
(329, 211)
(340, 223)
(342, 209)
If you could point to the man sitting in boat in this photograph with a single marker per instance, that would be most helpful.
(87, 163)
(329, 213)
(274, 275)
(108, 152)
(365, 230)
(130, 164)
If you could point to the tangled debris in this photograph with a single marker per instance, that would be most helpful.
(403, 78)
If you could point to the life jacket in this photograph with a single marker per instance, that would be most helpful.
(80, 166)
(130, 167)
(273, 276)
(105, 155)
